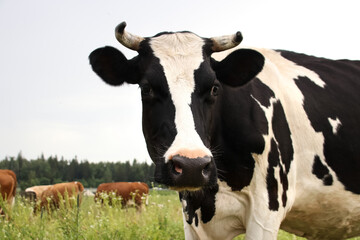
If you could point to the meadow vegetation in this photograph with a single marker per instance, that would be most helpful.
(160, 219)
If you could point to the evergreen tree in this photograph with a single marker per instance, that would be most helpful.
(43, 171)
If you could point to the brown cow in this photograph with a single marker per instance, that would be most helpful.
(35, 192)
(8, 185)
(51, 196)
(125, 190)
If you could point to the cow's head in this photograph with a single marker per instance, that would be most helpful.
(180, 85)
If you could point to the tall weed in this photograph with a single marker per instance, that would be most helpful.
(161, 219)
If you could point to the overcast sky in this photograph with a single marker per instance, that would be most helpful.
(52, 103)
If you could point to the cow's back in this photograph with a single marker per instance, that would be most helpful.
(334, 111)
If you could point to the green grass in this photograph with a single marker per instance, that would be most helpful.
(161, 219)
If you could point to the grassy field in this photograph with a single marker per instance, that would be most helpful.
(161, 219)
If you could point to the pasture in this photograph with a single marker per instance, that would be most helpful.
(161, 219)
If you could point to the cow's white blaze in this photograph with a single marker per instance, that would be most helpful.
(180, 55)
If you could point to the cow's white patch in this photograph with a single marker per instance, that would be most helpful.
(232, 211)
(185, 213)
(335, 124)
(180, 55)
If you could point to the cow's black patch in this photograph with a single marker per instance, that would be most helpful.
(196, 220)
(271, 182)
(285, 184)
(322, 172)
(261, 92)
(203, 200)
(238, 131)
(339, 98)
(282, 135)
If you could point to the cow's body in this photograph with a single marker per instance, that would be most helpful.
(35, 192)
(8, 185)
(254, 140)
(128, 191)
(307, 189)
(52, 195)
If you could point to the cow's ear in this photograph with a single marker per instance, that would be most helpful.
(113, 67)
(239, 67)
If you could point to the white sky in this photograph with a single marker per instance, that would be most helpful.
(52, 103)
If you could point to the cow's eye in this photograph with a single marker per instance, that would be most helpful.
(215, 90)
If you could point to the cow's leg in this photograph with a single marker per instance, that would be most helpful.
(256, 230)
(12, 202)
(263, 223)
(263, 219)
(190, 234)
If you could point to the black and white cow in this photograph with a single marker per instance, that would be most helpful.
(253, 139)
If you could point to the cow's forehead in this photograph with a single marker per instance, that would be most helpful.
(180, 44)
(180, 55)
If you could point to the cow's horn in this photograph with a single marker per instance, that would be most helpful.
(226, 42)
(127, 39)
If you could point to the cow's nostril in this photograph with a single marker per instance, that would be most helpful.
(206, 170)
(177, 168)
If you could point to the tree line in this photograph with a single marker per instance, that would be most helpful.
(52, 170)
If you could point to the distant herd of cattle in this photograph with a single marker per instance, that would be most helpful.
(50, 195)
